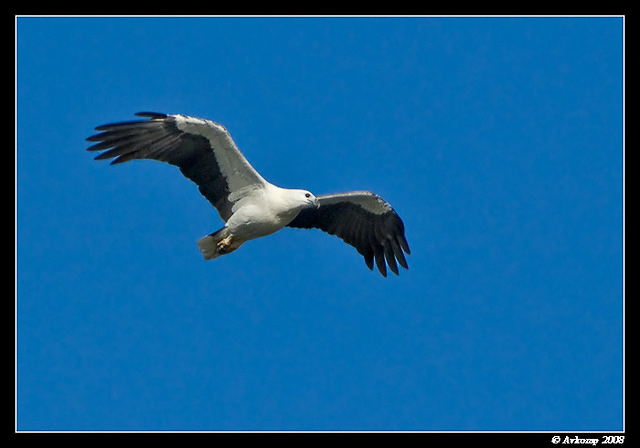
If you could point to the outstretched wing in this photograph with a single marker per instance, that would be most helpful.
(365, 221)
(203, 150)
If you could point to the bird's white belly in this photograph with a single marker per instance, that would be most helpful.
(252, 222)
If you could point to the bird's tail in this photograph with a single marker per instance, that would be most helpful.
(218, 243)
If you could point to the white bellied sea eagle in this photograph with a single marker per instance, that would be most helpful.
(250, 206)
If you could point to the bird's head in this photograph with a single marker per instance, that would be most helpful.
(309, 199)
(292, 199)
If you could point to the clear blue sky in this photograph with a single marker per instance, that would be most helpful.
(499, 141)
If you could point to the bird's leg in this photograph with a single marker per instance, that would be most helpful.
(226, 245)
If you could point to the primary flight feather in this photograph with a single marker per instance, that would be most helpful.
(250, 206)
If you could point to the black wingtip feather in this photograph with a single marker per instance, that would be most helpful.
(389, 256)
(379, 257)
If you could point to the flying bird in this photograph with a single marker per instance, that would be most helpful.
(250, 206)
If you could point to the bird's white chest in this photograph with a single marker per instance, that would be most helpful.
(260, 218)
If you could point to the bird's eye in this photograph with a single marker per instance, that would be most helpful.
(307, 195)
